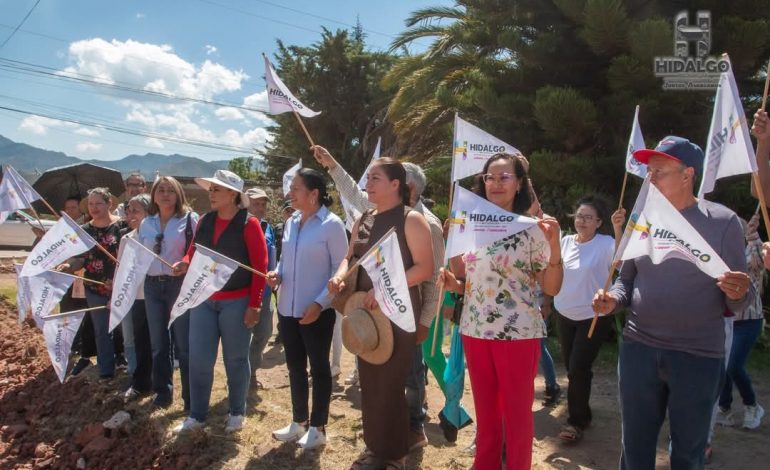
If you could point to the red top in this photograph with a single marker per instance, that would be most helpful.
(257, 248)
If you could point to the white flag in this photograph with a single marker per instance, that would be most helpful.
(135, 261)
(635, 142)
(656, 229)
(59, 334)
(729, 150)
(23, 304)
(208, 272)
(386, 270)
(289, 176)
(45, 292)
(64, 240)
(476, 222)
(472, 148)
(351, 213)
(279, 98)
(15, 192)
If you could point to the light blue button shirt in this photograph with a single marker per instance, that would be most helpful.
(172, 247)
(309, 258)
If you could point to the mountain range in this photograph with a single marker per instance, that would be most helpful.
(31, 161)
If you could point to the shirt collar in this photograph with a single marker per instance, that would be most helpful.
(320, 214)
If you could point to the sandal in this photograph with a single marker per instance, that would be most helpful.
(366, 461)
(395, 465)
(570, 434)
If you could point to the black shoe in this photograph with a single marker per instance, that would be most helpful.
(82, 364)
(161, 402)
(449, 429)
(552, 395)
(121, 363)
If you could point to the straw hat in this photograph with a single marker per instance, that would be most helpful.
(367, 334)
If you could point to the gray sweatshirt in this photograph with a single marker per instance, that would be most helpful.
(675, 305)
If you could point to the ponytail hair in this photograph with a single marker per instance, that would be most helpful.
(315, 180)
(395, 170)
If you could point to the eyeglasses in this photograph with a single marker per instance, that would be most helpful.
(584, 218)
(500, 178)
(135, 185)
(158, 243)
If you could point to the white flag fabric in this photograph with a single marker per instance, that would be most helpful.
(279, 98)
(386, 270)
(729, 150)
(15, 192)
(289, 176)
(635, 142)
(472, 149)
(656, 229)
(23, 304)
(45, 292)
(351, 213)
(476, 222)
(64, 240)
(59, 334)
(133, 265)
(208, 272)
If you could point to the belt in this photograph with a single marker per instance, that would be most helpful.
(162, 278)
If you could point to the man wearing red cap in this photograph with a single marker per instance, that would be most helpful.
(671, 359)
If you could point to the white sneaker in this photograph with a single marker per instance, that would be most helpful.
(187, 425)
(234, 423)
(336, 371)
(352, 379)
(313, 438)
(724, 418)
(290, 433)
(752, 416)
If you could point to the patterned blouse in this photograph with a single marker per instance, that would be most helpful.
(501, 293)
(99, 266)
(756, 275)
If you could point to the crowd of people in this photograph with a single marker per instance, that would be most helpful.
(685, 344)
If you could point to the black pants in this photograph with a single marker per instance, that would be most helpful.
(142, 379)
(309, 342)
(579, 352)
(84, 343)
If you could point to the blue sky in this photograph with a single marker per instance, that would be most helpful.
(208, 49)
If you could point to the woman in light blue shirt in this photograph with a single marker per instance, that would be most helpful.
(314, 244)
(167, 231)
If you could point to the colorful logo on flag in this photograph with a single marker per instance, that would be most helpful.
(462, 149)
(212, 268)
(379, 257)
(458, 220)
(643, 228)
(72, 237)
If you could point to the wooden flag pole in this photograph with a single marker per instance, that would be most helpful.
(606, 286)
(171, 266)
(623, 189)
(304, 129)
(84, 279)
(755, 175)
(441, 291)
(66, 314)
(767, 86)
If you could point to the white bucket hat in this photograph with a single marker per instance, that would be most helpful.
(226, 179)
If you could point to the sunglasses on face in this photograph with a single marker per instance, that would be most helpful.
(158, 243)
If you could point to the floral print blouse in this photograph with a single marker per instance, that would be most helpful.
(501, 293)
(99, 266)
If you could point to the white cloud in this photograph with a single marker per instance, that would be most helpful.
(229, 114)
(85, 147)
(256, 137)
(153, 142)
(39, 125)
(210, 49)
(259, 101)
(86, 132)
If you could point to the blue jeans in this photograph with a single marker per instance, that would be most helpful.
(415, 391)
(209, 321)
(261, 332)
(105, 351)
(160, 292)
(745, 334)
(653, 381)
(127, 328)
(546, 365)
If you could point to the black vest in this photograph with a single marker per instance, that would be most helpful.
(230, 244)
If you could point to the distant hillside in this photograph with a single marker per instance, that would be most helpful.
(30, 160)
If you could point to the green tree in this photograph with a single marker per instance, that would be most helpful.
(243, 167)
(341, 78)
(560, 79)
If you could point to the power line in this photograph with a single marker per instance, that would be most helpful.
(23, 20)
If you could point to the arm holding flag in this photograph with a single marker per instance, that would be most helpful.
(761, 130)
(346, 185)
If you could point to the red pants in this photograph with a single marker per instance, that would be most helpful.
(503, 383)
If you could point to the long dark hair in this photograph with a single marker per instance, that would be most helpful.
(394, 170)
(602, 211)
(523, 200)
(181, 207)
(314, 179)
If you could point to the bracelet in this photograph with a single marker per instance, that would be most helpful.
(560, 263)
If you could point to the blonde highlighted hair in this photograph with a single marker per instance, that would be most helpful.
(181, 208)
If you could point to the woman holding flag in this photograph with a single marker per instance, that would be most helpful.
(167, 231)
(314, 244)
(383, 401)
(501, 322)
(230, 313)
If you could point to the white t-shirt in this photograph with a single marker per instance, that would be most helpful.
(586, 267)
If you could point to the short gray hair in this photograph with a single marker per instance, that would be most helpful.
(416, 176)
(142, 199)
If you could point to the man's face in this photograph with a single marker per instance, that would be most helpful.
(671, 177)
(134, 186)
(72, 208)
(258, 207)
